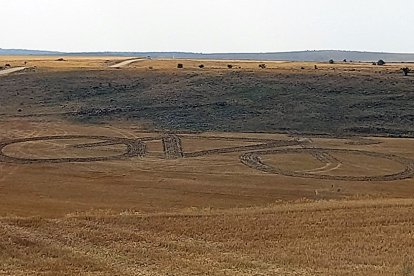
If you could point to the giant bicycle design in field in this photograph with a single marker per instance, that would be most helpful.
(251, 155)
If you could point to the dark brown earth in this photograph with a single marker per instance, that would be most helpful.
(337, 102)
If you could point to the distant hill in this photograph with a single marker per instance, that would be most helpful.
(322, 55)
(21, 52)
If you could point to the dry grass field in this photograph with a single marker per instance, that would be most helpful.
(153, 170)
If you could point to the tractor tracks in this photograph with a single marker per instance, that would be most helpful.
(254, 161)
(251, 155)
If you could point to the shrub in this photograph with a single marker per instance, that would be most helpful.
(331, 61)
(229, 66)
(381, 62)
(201, 66)
(263, 66)
(406, 70)
(180, 66)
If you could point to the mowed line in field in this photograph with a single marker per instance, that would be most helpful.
(7, 170)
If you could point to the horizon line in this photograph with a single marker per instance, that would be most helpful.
(202, 53)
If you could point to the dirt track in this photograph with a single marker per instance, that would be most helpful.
(126, 63)
(11, 70)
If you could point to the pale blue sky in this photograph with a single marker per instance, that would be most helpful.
(208, 25)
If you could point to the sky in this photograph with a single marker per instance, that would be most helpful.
(208, 26)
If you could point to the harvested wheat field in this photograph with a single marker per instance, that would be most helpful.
(116, 166)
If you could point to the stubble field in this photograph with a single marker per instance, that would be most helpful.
(153, 170)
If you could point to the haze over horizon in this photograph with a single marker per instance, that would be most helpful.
(212, 26)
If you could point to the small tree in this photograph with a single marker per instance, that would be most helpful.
(381, 62)
(331, 61)
(406, 70)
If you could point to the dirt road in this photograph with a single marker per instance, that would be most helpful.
(126, 63)
(11, 70)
